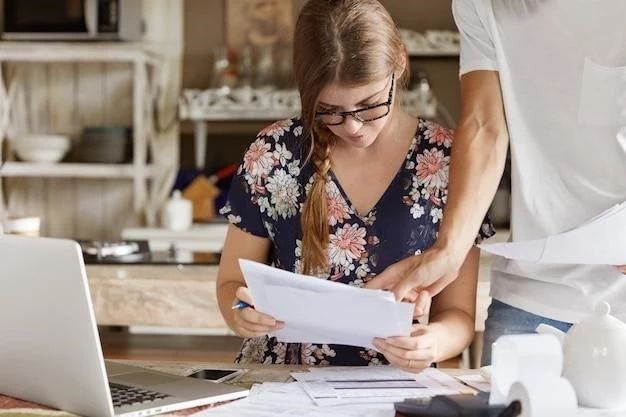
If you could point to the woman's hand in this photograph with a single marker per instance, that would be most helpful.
(410, 353)
(622, 269)
(251, 323)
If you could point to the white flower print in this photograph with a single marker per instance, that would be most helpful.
(370, 219)
(258, 161)
(338, 209)
(297, 131)
(280, 350)
(294, 168)
(356, 283)
(234, 219)
(297, 266)
(253, 350)
(270, 229)
(282, 154)
(314, 354)
(309, 185)
(264, 204)
(437, 214)
(284, 192)
(346, 244)
(278, 129)
(417, 211)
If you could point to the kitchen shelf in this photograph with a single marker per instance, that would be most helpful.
(73, 170)
(145, 64)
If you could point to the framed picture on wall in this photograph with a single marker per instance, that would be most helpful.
(258, 23)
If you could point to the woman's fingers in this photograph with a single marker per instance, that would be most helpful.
(254, 324)
(250, 322)
(407, 349)
(422, 304)
(412, 361)
(244, 294)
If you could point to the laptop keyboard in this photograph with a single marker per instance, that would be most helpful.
(125, 395)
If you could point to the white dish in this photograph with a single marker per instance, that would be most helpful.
(49, 156)
(41, 148)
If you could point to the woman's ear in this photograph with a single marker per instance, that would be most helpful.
(403, 61)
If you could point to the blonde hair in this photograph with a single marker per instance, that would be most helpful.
(352, 42)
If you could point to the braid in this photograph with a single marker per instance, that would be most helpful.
(315, 231)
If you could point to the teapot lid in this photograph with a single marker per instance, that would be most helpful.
(602, 319)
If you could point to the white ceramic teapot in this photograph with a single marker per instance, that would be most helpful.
(594, 353)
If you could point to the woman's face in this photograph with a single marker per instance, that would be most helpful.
(369, 101)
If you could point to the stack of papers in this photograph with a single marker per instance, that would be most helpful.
(374, 384)
(600, 241)
(274, 399)
(321, 311)
(346, 395)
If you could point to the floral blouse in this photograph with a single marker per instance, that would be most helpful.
(266, 199)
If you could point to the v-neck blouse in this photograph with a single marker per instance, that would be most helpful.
(266, 199)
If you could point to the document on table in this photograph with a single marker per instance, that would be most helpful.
(600, 241)
(272, 399)
(374, 384)
(321, 311)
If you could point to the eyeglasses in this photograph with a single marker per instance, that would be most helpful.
(366, 114)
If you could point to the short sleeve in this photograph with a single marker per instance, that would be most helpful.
(242, 208)
(477, 46)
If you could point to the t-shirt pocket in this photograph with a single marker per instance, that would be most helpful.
(602, 95)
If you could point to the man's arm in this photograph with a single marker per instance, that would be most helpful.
(477, 162)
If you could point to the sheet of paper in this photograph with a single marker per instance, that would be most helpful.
(475, 381)
(599, 241)
(320, 311)
(289, 399)
(374, 384)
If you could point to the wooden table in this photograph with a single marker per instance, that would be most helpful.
(256, 374)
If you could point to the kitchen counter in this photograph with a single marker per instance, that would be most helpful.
(174, 257)
(170, 295)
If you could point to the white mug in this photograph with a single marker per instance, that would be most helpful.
(177, 213)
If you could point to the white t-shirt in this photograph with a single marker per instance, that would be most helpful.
(562, 69)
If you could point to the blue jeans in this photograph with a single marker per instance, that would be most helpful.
(503, 319)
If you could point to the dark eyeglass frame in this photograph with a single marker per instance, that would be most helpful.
(355, 113)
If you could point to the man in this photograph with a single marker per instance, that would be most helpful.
(548, 76)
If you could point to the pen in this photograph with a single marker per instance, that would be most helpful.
(512, 410)
(240, 305)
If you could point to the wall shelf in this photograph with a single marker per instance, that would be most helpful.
(73, 170)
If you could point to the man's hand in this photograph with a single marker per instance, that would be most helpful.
(622, 269)
(431, 272)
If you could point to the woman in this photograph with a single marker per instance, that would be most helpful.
(352, 186)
